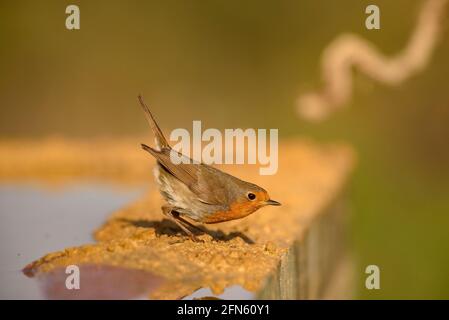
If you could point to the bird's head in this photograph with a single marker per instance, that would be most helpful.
(251, 197)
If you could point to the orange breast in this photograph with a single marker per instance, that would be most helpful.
(237, 211)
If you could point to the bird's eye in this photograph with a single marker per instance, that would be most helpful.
(251, 196)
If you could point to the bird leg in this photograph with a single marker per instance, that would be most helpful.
(190, 224)
(173, 215)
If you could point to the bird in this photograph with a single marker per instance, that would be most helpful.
(199, 192)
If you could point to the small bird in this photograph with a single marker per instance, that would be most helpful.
(198, 191)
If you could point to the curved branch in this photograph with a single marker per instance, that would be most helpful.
(350, 50)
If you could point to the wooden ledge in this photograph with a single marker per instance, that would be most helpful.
(278, 252)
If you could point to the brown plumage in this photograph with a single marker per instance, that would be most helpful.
(198, 191)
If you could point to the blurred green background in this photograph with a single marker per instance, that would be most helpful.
(243, 64)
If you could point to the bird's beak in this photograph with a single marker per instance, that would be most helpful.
(272, 203)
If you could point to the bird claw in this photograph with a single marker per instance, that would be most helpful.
(196, 239)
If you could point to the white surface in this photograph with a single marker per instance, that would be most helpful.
(35, 221)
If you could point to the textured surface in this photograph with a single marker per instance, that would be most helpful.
(244, 252)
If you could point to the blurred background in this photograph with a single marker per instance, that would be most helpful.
(243, 64)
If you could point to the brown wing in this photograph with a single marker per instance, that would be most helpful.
(199, 178)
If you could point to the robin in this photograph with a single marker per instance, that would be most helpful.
(198, 191)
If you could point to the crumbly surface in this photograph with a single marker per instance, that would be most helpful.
(241, 252)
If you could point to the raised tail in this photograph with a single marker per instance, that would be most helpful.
(161, 142)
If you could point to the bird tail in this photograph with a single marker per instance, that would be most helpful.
(161, 142)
